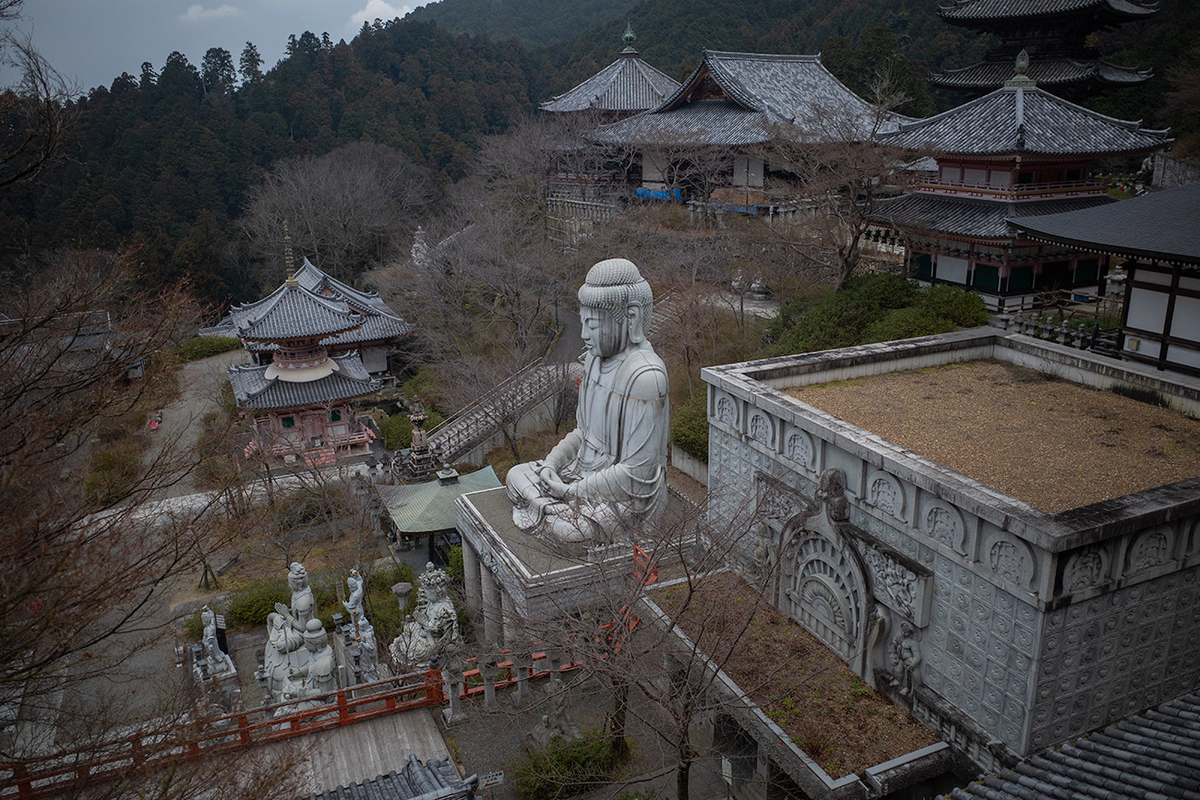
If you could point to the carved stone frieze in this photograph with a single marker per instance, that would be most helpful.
(761, 428)
(725, 409)
(944, 524)
(1084, 569)
(1010, 560)
(886, 494)
(895, 584)
(798, 447)
(1149, 550)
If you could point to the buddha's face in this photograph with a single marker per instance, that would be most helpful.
(604, 335)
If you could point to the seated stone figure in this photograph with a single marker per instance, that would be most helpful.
(609, 474)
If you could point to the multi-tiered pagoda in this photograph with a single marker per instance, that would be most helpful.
(302, 401)
(1053, 32)
(1016, 152)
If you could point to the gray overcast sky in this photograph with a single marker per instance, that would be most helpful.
(94, 41)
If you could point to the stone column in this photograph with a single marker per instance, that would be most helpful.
(508, 610)
(471, 586)
(491, 627)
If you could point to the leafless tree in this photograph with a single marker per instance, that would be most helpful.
(841, 172)
(36, 112)
(352, 207)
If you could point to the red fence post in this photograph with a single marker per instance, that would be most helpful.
(434, 693)
(343, 711)
(244, 729)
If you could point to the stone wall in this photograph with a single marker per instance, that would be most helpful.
(1029, 628)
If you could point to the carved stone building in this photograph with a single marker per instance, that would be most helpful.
(1006, 622)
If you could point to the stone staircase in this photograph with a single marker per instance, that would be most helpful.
(480, 421)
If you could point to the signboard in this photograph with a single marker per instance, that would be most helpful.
(491, 779)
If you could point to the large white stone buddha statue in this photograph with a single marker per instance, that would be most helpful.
(607, 476)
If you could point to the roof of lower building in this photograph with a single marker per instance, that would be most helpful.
(1153, 754)
(1046, 72)
(1024, 119)
(1160, 225)
(254, 391)
(627, 84)
(429, 507)
(962, 216)
(292, 312)
(737, 99)
(967, 11)
(437, 778)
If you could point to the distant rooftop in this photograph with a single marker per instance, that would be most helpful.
(1045, 71)
(626, 85)
(1050, 443)
(254, 390)
(968, 11)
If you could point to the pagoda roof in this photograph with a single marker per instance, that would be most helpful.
(969, 12)
(1045, 72)
(1159, 225)
(1024, 119)
(627, 84)
(379, 321)
(961, 216)
(254, 391)
(292, 312)
(736, 99)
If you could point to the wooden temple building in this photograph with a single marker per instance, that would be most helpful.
(627, 86)
(1055, 33)
(740, 103)
(315, 342)
(1016, 153)
(1156, 235)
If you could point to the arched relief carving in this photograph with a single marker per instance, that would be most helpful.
(1149, 549)
(798, 447)
(761, 428)
(886, 494)
(1010, 560)
(826, 593)
(725, 409)
(1085, 568)
(945, 524)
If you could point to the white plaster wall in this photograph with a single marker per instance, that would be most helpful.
(951, 268)
(1185, 322)
(1147, 309)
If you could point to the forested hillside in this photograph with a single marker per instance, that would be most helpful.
(164, 160)
(534, 22)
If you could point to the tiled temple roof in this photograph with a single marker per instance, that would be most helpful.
(1153, 754)
(755, 94)
(627, 84)
(971, 11)
(292, 312)
(961, 216)
(1024, 120)
(380, 323)
(1159, 225)
(1047, 72)
(253, 390)
(436, 778)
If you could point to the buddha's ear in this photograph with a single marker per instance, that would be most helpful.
(635, 323)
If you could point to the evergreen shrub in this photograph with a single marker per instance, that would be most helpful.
(397, 429)
(689, 426)
(199, 347)
(250, 607)
(564, 769)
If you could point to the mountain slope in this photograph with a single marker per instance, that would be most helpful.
(534, 22)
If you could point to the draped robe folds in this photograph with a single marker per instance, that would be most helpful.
(614, 462)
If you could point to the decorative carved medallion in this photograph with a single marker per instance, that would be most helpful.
(1150, 550)
(725, 410)
(945, 525)
(760, 429)
(1084, 570)
(799, 448)
(1010, 561)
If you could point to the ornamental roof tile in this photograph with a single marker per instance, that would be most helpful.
(759, 93)
(984, 219)
(292, 312)
(972, 10)
(437, 778)
(627, 84)
(1024, 120)
(1048, 72)
(254, 391)
(1156, 753)
(1159, 225)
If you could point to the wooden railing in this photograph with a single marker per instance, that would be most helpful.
(48, 776)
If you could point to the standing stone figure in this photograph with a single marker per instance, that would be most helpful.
(432, 629)
(320, 673)
(354, 605)
(284, 652)
(609, 474)
(904, 657)
(218, 661)
(303, 603)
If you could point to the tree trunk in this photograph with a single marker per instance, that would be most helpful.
(620, 747)
(681, 780)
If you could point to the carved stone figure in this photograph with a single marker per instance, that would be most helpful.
(320, 673)
(904, 657)
(218, 661)
(832, 491)
(354, 605)
(284, 652)
(303, 602)
(608, 474)
(875, 635)
(432, 629)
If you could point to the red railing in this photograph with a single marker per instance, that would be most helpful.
(52, 775)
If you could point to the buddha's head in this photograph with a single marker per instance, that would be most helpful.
(615, 304)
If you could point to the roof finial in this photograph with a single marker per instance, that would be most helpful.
(287, 250)
(628, 38)
(1020, 78)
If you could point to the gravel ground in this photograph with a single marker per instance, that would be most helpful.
(1049, 442)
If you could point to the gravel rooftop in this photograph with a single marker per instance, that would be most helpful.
(1054, 444)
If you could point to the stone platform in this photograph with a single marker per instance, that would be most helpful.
(517, 581)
